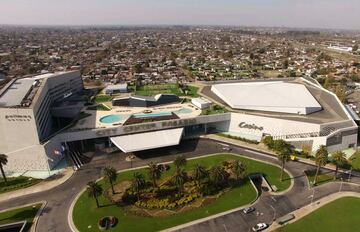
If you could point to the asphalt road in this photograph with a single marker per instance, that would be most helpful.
(54, 216)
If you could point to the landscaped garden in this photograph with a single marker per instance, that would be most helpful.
(21, 214)
(322, 178)
(163, 196)
(152, 90)
(214, 109)
(101, 98)
(17, 183)
(339, 215)
(355, 161)
(8, 184)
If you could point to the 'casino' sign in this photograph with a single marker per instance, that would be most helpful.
(250, 126)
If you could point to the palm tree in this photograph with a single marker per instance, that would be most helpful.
(238, 169)
(154, 173)
(3, 161)
(179, 179)
(283, 156)
(217, 175)
(94, 190)
(110, 176)
(338, 158)
(321, 158)
(138, 183)
(198, 174)
(179, 161)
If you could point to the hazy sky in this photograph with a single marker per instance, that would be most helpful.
(293, 13)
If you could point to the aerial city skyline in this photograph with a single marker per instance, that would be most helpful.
(181, 116)
(330, 14)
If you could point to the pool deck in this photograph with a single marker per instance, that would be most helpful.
(186, 110)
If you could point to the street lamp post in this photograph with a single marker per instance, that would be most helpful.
(341, 184)
(312, 196)
(350, 174)
(130, 159)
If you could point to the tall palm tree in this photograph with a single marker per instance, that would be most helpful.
(154, 173)
(238, 169)
(321, 158)
(179, 179)
(217, 175)
(199, 173)
(138, 183)
(338, 158)
(179, 162)
(110, 176)
(283, 156)
(3, 161)
(94, 190)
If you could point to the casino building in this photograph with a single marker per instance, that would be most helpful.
(44, 119)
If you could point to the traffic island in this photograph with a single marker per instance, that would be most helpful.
(228, 197)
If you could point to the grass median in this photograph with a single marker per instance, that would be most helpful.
(22, 214)
(86, 215)
(339, 215)
(17, 183)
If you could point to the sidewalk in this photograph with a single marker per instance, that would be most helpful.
(302, 212)
(42, 186)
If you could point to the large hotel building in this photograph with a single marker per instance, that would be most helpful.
(47, 118)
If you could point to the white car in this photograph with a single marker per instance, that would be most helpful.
(259, 227)
(227, 148)
(248, 210)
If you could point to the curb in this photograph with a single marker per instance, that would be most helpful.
(310, 208)
(38, 214)
(181, 226)
(26, 191)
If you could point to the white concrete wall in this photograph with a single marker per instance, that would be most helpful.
(346, 141)
(31, 158)
(272, 126)
(17, 132)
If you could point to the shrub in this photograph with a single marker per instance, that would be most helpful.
(239, 138)
(129, 197)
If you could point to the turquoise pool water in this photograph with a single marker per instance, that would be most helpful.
(151, 115)
(112, 118)
(184, 111)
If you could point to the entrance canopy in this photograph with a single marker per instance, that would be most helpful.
(148, 140)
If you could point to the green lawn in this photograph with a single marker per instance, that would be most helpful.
(16, 215)
(339, 215)
(17, 183)
(99, 107)
(355, 161)
(102, 98)
(129, 222)
(151, 90)
(214, 109)
(322, 177)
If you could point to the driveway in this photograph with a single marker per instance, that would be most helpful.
(54, 217)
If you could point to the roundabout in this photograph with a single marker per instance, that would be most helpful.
(143, 215)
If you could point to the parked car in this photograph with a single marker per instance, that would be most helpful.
(259, 227)
(227, 148)
(248, 210)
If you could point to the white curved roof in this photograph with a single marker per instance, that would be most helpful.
(276, 96)
(148, 140)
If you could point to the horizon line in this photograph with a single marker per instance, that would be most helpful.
(177, 25)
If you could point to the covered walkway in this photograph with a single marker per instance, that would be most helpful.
(148, 140)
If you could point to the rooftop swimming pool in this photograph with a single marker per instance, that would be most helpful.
(112, 118)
